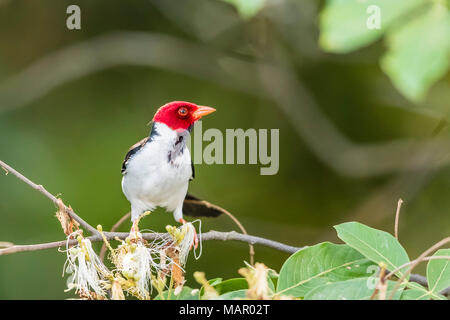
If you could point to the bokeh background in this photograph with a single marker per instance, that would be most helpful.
(73, 101)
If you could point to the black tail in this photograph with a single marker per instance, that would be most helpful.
(194, 207)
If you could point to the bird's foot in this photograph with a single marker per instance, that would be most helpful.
(134, 232)
(195, 244)
(134, 228)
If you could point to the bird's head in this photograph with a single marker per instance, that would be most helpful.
(181, 115)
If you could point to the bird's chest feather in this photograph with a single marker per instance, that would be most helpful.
(160, 169)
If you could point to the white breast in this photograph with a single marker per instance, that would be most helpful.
(158, 174)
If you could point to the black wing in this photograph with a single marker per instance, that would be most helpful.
(194, 207)
(138, 145)
(133, 149)
(193, 171)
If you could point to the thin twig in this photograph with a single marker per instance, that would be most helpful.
(42, 190)
(416, 262)
(238, 223)
(210, 235)
(397, 217)
(390, 274)
(114, 228)
(232, 217)
(36, 247)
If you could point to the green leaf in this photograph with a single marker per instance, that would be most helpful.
(438, 272)
(344, 23)
(376, 245)
(185, 294)
(272, 279)
(223, 287)
(419, 52)
(212, 282)
(414, 294)
(231, 285)
(419, 292)
(215, 281)
(238, 294)
(318, 265)
(353, 289)
(247, 8)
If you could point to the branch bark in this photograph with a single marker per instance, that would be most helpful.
(42, 190)
(96, 236)
(210, 235)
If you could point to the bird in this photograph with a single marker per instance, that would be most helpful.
(157, 169)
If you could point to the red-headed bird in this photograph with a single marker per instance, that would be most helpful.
(157, 170)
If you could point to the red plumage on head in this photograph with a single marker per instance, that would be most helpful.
(180, 115)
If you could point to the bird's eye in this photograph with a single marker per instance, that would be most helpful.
(183, 111)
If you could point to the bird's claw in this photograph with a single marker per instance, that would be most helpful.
(134, 231)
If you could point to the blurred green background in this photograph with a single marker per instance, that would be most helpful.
(73, 101)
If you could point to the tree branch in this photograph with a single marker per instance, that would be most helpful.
(96, 236)
(210, 235)
(42, 190)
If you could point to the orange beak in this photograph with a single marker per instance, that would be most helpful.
(202, 111)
